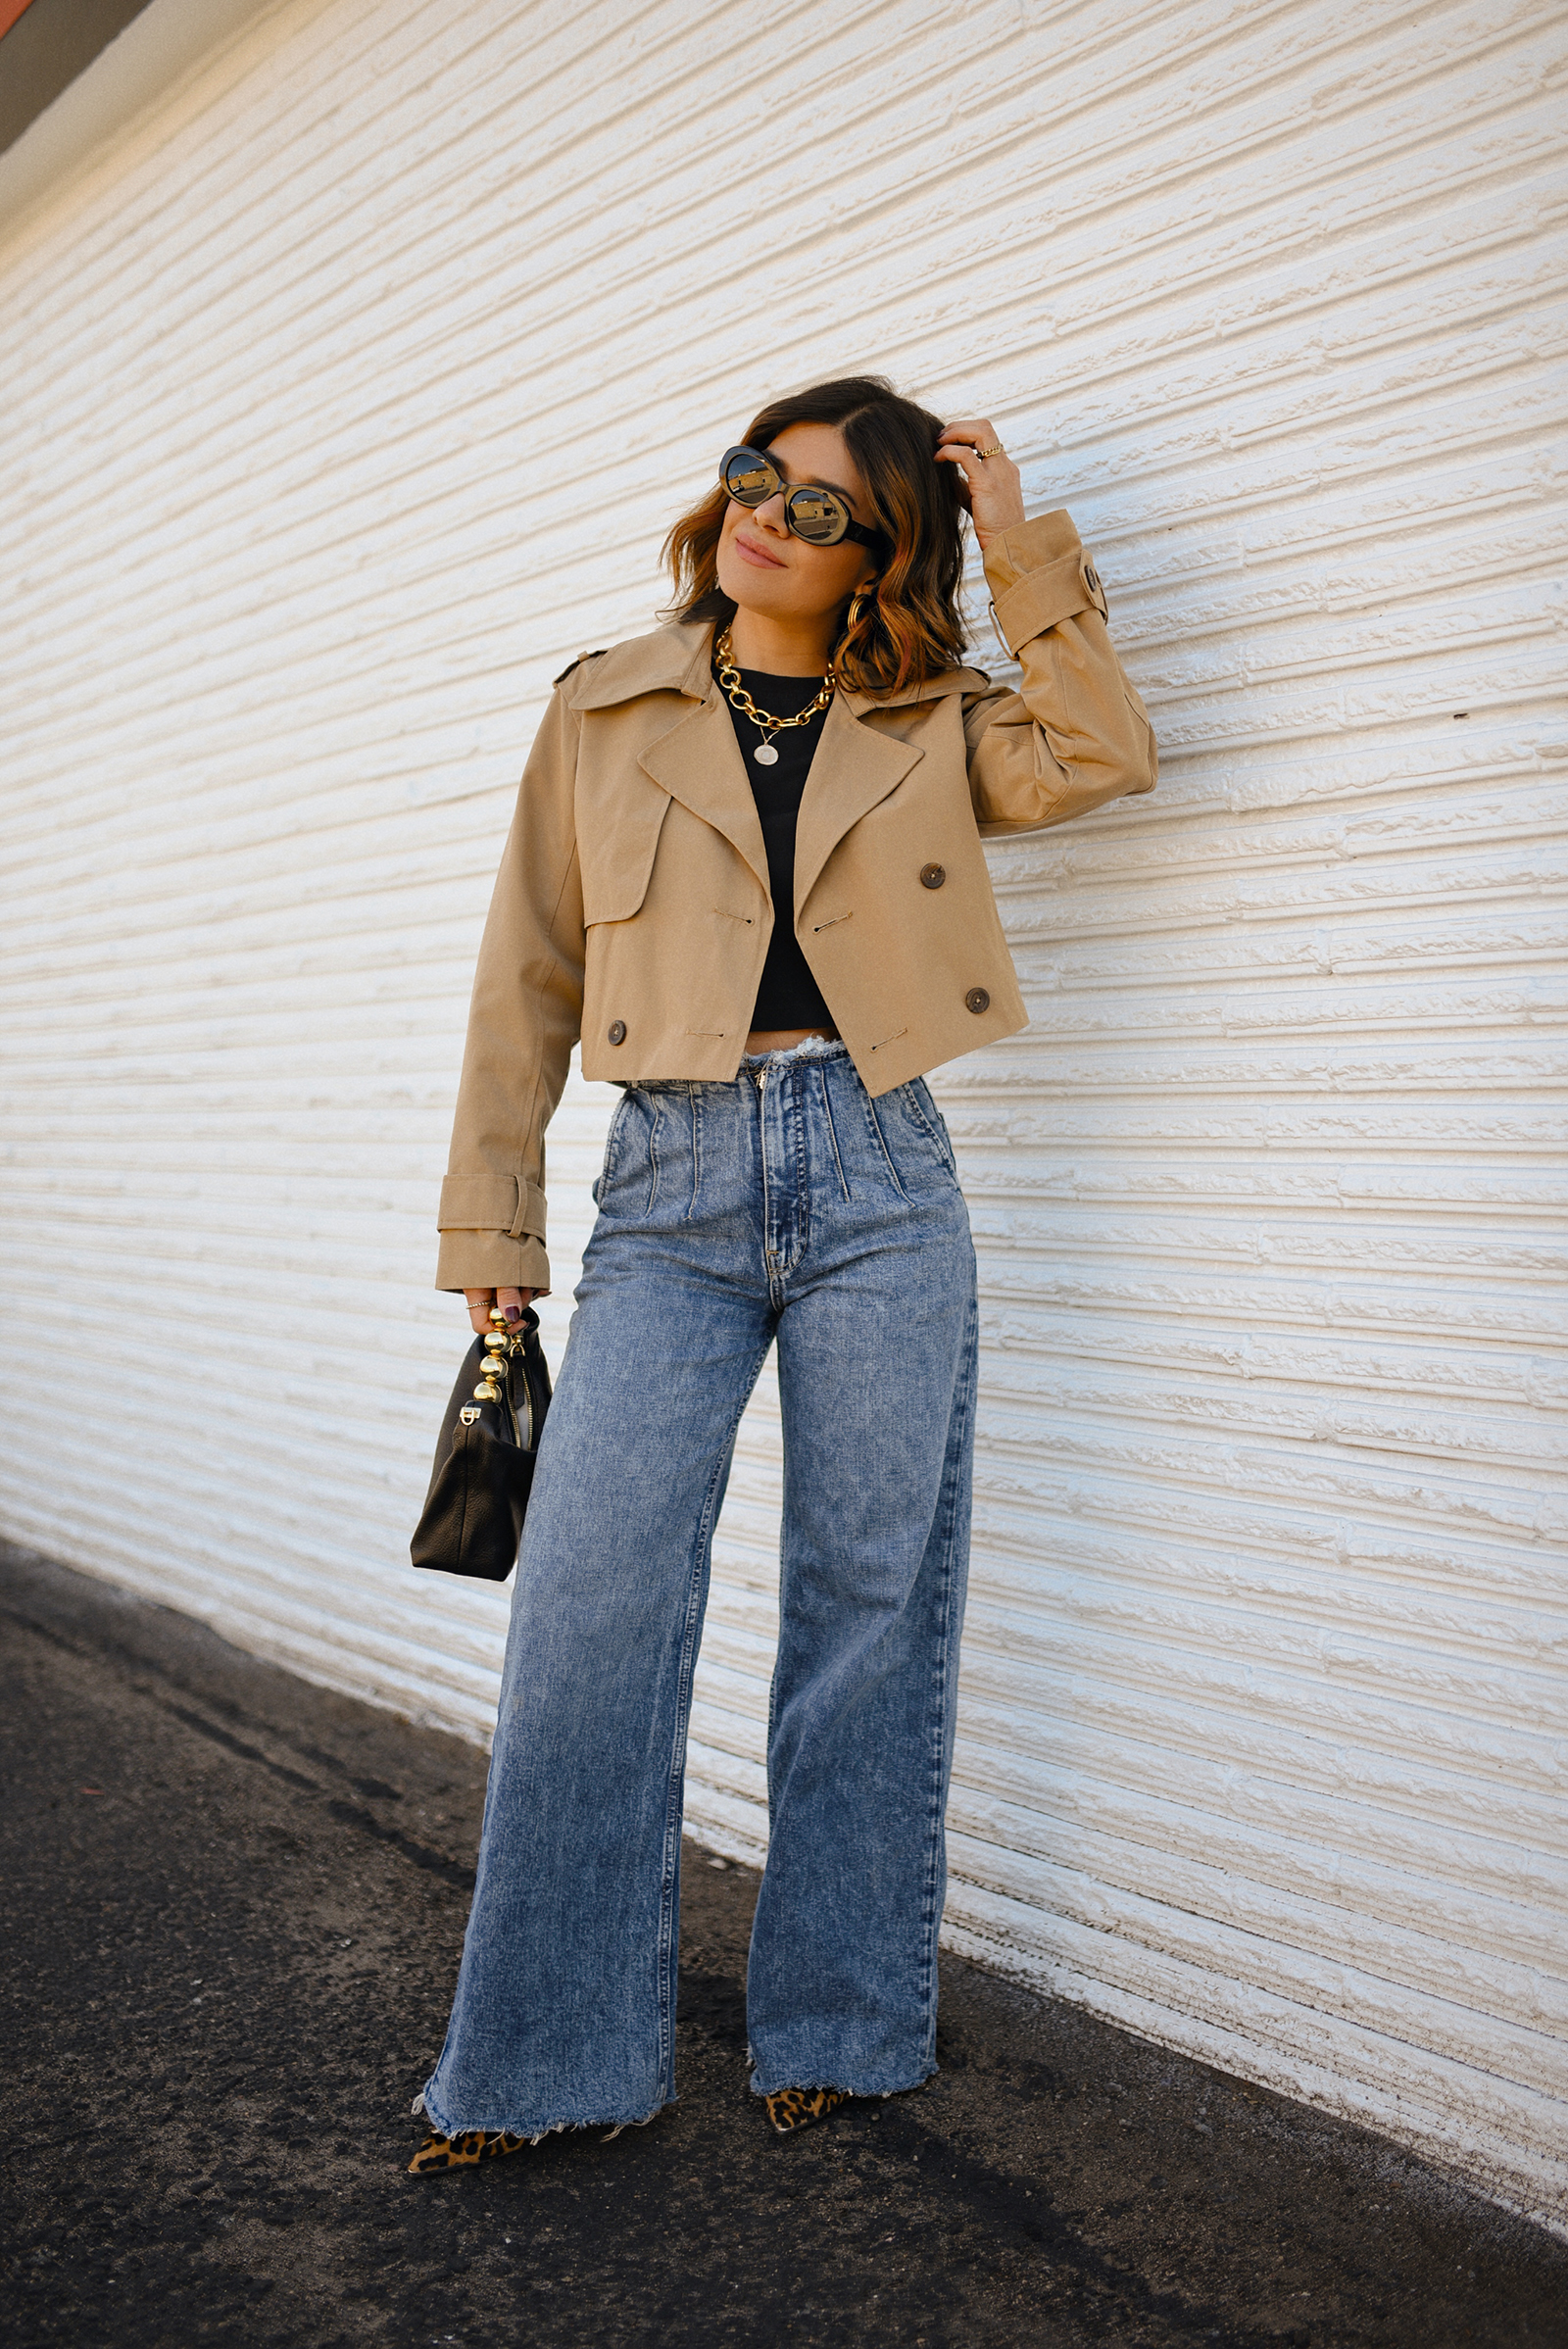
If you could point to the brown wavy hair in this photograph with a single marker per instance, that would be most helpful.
(910, 628)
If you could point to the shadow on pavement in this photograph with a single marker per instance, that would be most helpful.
(233, 1909)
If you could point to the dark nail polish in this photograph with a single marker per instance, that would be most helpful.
(513, 1313)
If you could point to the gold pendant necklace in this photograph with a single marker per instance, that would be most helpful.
(729, 677)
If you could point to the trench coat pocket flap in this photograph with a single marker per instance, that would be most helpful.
(1045, 598)
(617, 844)
(492, 1203)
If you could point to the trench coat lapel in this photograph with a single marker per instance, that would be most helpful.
(699, 762)
(854, 768)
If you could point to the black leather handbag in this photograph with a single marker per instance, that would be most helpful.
(473, 1517)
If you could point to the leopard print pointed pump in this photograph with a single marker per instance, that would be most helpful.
(790, 2109)
(456, 2153)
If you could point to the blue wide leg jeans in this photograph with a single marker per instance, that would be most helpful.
(790, 1207)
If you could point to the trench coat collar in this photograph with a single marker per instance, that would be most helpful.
(698, 761)
(677, 658)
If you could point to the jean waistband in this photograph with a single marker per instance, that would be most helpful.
(810, 1048)
(793, 1056)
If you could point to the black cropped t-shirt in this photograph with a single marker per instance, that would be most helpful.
(788, 996)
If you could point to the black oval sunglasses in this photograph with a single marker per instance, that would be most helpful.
(818, 515)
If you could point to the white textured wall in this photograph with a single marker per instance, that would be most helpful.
(348, 396)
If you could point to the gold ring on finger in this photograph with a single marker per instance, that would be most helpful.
(994, 450)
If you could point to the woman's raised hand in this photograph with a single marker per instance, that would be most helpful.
(511, 1301)
(992, 487)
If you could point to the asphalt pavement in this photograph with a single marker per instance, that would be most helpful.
(233, 1905)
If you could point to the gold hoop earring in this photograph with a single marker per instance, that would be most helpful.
(862, 597)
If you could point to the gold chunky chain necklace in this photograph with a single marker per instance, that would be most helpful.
(729, 676)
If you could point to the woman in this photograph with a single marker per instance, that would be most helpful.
(746, 869)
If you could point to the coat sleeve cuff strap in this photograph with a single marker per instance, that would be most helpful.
(1039, 576)
(492, 1203)
(491, 1260)
(1043, 599)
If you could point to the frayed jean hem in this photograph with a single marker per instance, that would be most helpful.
(531, 2130)
(845, 2088)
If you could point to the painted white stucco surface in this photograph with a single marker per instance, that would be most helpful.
(349, 389)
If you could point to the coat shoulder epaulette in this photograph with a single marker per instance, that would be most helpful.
(577, 663)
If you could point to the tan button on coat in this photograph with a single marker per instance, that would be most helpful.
(632, 904)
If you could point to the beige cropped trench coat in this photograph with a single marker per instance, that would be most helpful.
(632, 904)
